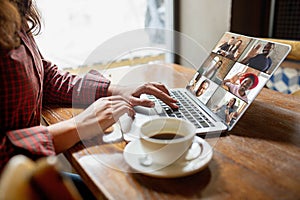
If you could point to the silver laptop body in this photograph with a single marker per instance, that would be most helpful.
(235, 72)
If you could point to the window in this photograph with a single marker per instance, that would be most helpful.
(75, 28)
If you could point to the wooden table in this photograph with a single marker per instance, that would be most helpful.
(258, 159)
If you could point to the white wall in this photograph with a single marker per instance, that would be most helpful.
(205, 21)
(82, 28)
(74, 29)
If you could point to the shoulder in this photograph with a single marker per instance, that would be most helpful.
(13, 58)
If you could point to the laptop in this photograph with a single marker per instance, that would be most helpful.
(223, 87)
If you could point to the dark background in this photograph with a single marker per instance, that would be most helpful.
(257, 18)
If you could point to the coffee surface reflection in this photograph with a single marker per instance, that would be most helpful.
(166, 136)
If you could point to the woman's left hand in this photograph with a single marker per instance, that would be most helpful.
(132, 94)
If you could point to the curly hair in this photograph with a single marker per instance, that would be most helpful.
(15, 15)
(29, 13)
(10, 23)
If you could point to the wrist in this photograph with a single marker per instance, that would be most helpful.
(113, 90)
(64, 135)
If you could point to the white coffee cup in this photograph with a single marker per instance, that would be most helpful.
(167, 140)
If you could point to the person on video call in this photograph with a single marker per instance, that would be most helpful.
(227, 112)
(261, 61)
(247, 81)
(211, 72)
(226, 47)
(29, 81)
(234, 52)
(191, 86)
(202, 87)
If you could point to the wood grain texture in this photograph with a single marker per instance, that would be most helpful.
(258, 159)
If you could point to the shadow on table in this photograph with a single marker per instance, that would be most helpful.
(184, 186)
(267, 122)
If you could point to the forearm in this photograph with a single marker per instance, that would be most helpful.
(63, 87)
(64, 134)
(86, 125)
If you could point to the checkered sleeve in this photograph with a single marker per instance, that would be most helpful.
(37, 140)
(33, 142)
(65, 88)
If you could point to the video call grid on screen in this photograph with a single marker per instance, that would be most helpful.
(234, 59)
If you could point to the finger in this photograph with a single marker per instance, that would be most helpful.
(119, 105)
(122, 108)
(112, 114)
(117, 98)
(107, 107)
(147, 86)
(161, 87)
(142, 102)
(165, 97)
(157, 93)
(107, 102)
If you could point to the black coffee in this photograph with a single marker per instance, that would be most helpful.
(166, 136)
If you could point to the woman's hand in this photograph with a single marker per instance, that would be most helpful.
(102, 114)
(132, 94)
(92, 122)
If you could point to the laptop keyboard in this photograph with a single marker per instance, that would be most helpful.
(186, 110)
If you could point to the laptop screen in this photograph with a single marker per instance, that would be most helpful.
(234, 73)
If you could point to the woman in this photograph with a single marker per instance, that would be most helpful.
(29, 81)
(202, 87)
(211, 72)
(248, 81)
(227, 111)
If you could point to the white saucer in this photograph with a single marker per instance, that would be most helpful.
(133, 152)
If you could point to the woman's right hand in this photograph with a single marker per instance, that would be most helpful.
(102, 114)
(92, 122)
